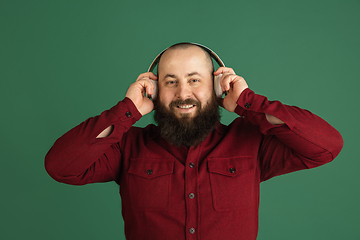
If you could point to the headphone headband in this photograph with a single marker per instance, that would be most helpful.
(208, 50)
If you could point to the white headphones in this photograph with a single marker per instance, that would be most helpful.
(213, 55)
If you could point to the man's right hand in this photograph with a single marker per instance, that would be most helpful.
(137, 90)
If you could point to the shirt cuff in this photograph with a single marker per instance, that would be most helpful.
(253, 107)
(122, 116)
(131, 111)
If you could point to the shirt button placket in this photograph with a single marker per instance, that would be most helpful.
(191, 186)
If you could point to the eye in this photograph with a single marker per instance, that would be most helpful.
(170, 82)
(194, 80)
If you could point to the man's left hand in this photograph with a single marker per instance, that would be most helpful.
(233, 84)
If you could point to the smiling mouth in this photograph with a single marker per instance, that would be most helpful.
(185, 106)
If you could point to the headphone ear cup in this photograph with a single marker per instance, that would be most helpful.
(154, 95)
(217, 87)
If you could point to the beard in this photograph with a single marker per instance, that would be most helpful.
(185, 130)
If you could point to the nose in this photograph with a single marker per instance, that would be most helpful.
(183, 91)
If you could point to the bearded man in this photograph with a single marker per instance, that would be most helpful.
(191, 177)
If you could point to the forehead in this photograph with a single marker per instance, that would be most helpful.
(184, 59)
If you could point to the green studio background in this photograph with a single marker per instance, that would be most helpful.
(65, 61)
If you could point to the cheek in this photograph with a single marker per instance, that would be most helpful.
(165, 97)
(204, 95)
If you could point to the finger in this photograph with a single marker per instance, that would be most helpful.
(149, 87)
(150, 75)
(224, 70)
(229, 80)
(225, 81)
(145, 85)
(148, 84)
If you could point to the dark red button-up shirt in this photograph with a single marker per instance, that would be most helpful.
(210, 191)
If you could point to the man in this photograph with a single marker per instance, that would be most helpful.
(191, 177)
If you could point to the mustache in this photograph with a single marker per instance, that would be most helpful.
(184, 102)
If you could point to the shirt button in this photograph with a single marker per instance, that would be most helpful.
(232, 170)
(247, 105)
(128, 114)
(191, 165)
(192, 230)
(191, 196)
(149, 171)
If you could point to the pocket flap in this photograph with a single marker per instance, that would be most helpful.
(230, 167)
(151, 168)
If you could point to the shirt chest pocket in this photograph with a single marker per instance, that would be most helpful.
(232, 182)
(149, 182)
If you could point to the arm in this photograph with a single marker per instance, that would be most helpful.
(79, 157)
(90, 151)
(294, 138)
(304, 140)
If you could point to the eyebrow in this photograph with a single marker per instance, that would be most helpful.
(170, 76)
(187, 75)
(193, 73)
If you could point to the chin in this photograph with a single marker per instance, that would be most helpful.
(185, 115)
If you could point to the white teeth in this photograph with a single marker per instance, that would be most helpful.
(185, 106)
